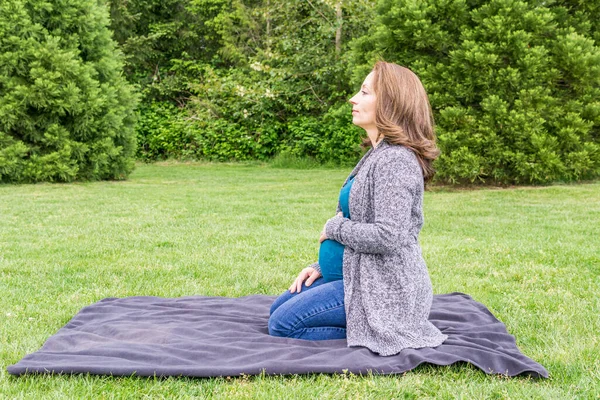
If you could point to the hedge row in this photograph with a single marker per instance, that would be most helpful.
(515, 85)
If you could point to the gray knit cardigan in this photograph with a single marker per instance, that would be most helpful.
(387, 290)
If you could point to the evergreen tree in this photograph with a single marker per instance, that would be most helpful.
(66, 112)
(515, 85)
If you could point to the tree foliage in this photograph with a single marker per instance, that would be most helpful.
(66, 112)
(268, 69)
(515, 85)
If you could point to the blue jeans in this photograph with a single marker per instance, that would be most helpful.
(316, 313)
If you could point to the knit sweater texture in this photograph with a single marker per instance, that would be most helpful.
(387, 289)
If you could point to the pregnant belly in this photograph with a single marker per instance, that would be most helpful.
(331, 258)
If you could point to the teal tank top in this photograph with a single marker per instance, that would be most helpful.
(331, 253)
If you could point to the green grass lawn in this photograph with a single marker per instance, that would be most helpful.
(530, 254)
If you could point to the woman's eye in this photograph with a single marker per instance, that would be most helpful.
(363, 92)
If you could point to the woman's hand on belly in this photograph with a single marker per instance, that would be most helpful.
(323, 237)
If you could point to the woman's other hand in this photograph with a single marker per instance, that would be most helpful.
(323, 237)
(308, 274)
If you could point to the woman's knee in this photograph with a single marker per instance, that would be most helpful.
(278, 301)
(277, 325)
(287, 295)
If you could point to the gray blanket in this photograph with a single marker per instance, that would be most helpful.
(219, 336)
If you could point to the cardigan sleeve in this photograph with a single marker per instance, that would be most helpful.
(395, 184)
(316, 266)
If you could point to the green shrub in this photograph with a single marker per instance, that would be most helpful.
(341, 139)
(224, 133)
(241, 90)
(66, 112)
(162, 132)
(330, 138)
(233, 120)
(515, 85)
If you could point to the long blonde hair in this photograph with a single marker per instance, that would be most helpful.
(403, 113)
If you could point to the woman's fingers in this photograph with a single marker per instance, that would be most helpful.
(322, 237)
(297, 285)
(294, 285)
(303, 275)
(313, 277)
(309, 273)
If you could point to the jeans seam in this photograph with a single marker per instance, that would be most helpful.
(322, 327)
(312, 315)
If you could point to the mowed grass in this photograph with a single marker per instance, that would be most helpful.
(530, 254)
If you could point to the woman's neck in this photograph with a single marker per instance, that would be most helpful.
(372, 134)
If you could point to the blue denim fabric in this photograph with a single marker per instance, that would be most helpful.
(316, 313)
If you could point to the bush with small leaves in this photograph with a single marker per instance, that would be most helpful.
(66, 112)
(515, 85)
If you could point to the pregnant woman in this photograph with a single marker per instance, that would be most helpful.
(371, 284)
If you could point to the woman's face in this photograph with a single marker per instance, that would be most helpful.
(363, 104)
